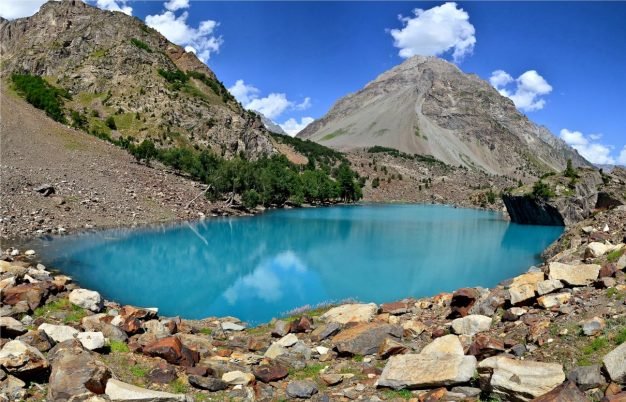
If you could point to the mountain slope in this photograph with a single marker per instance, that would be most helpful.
(115, 66)
(428, 106)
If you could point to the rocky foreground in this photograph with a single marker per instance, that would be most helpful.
(555, 333)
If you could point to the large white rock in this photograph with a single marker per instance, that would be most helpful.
(58, 333)
(524, 287)
(275, 350)
(553, 300)
(351, 313)
(548, 286)
(574, 275)
(516, 380)
(91, 340)
(237, 378)
(471, 324)
(120, 391)
(287, 340)
(447, 344)
(87, 299)
(22, 360)
(596, 249)
(427, 370)
(615, 364)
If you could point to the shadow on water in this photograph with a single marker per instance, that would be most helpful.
(259, 267)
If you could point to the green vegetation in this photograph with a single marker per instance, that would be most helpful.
(570, 171)
(429, 159)
(141, 45)
(332, 135)
(179, 387)
(217, 86)
(542, 191)
(139, 371)
(118, 346)
(206, 331)
(61, 308)
(375, 182)
(41, 94)
(172, 77)
(307, 372)
(312, 150)
(400, 393)
(110, 123)
(615, 255)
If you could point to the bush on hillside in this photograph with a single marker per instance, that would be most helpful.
(41, 94)
(141, 45)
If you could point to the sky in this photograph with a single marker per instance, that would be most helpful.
(562, 63)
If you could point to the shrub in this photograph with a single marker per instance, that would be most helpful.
(110, 122)
(41, 95)
(141, 45)
(376, 183)
(250, 199)
(542, 191)
(175, 76)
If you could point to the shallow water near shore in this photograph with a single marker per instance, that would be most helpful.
(257, 268)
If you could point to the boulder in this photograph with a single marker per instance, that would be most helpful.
(515, 380)
(274, 351)
(287, 340)
(75, 373)
(427, 370)
(281, 328)
(270, 372)
(615, 364)
(391, 347)
(87, 299)
(413, 328)
(471, 324)
(447, 344)
(593, 326)
(302, 325)
(10, 327)
(157, 328)
(548, 286)
(91, 340)
(566, 392)
(37, 339)
(553, 300)
(597, 249)
(587, 377)
(395, 308)
(574, 275)
(485, 346)
(58, 333)
(12, 388)
(33, 294)
(173, 351)
(231, 326)
(303, 389)
(162, 373)
(23, 361)
(350, 313)
(462, 301)
(364, 338)
(118, 391)
(237, 378)
(324, 331)
(209, 383)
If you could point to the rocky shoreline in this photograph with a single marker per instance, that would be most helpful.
(555, 333)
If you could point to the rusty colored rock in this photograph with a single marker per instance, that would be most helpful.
(566, 392)
(304, 324)
(395, 308)
(462, 301)
(485, 346)
(173, 351)
(270, 373)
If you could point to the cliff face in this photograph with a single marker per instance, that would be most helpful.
(110, 64)
(428, 106)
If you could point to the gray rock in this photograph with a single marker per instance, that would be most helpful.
(427, 371)
(58, 333)
(324, 331)
(22, 360)
(469, 392)
(87, 299)
(471, 324)
(574, 275)
(365, 338)
(548, 286)
(91, 340)
(587, 377)
(118, 391)
(209, 383)
(351, 313)
(304, 389)
(10, 327)
(593, 326)
(615, 364)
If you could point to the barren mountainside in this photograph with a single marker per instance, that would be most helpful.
(428, 106)
(115, 66)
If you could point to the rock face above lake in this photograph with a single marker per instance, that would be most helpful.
(429, 106)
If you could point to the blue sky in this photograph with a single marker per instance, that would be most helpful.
(563, 63)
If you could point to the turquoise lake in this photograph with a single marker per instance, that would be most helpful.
(256, 268)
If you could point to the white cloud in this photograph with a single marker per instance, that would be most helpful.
(525, 91)
(594, 152)
(621, 159)
(174, 5)
(435, 32)
(292, 127)
(271, 106)
(11, 9)
(201, 40)
(115, 5)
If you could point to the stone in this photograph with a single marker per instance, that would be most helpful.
(593, 326)
(587, 377)
(91, 340)
(287, 340)
(620, 397)
(522, 293)
(324, 331)
(346, 313)
(238, 378)
(548, 286)
(209, 383)
(331, 379)
(413, 328)
(471, 324)
(515, 380)
(427, 370)
(87, 299)
(31, 293)
(574, 275)
(485, 346)
(395, 308)
(597, 249)
(302, 325)
(281, 328)
(462, 301)
(364, 338)
(157, 328)
(566, 392)
(231, 326)
(201, 344)
(76, 373)
(172, 351)
(10, 327)
(615, 364)
(274, 351)
(119, 391)
(58, 333)
(469, 392)
(23, 361)
(270, 372)
(447, 344)
(391, 347)
(303, 389)
(45, 190)
(322, 350)
(12, 388)
(553, 300)
(608, 271)
(37, 339)
(162, 373)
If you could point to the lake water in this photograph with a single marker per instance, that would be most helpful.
(256, 268)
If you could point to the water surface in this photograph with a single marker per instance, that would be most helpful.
(256, 268)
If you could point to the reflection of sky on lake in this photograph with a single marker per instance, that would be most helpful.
(259, 267)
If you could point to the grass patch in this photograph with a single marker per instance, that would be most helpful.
(178, 386)
(614, 255)
(395, 394)
(334, 134)
(614, 293)
(41, 94)
(139, 371)
(307, 372)
(60, 307)
(141, 45)
(358, 358)
(118, 347)
(206, 331)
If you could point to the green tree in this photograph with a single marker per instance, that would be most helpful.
(146, 151)
(250, 199)
(110, 122)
